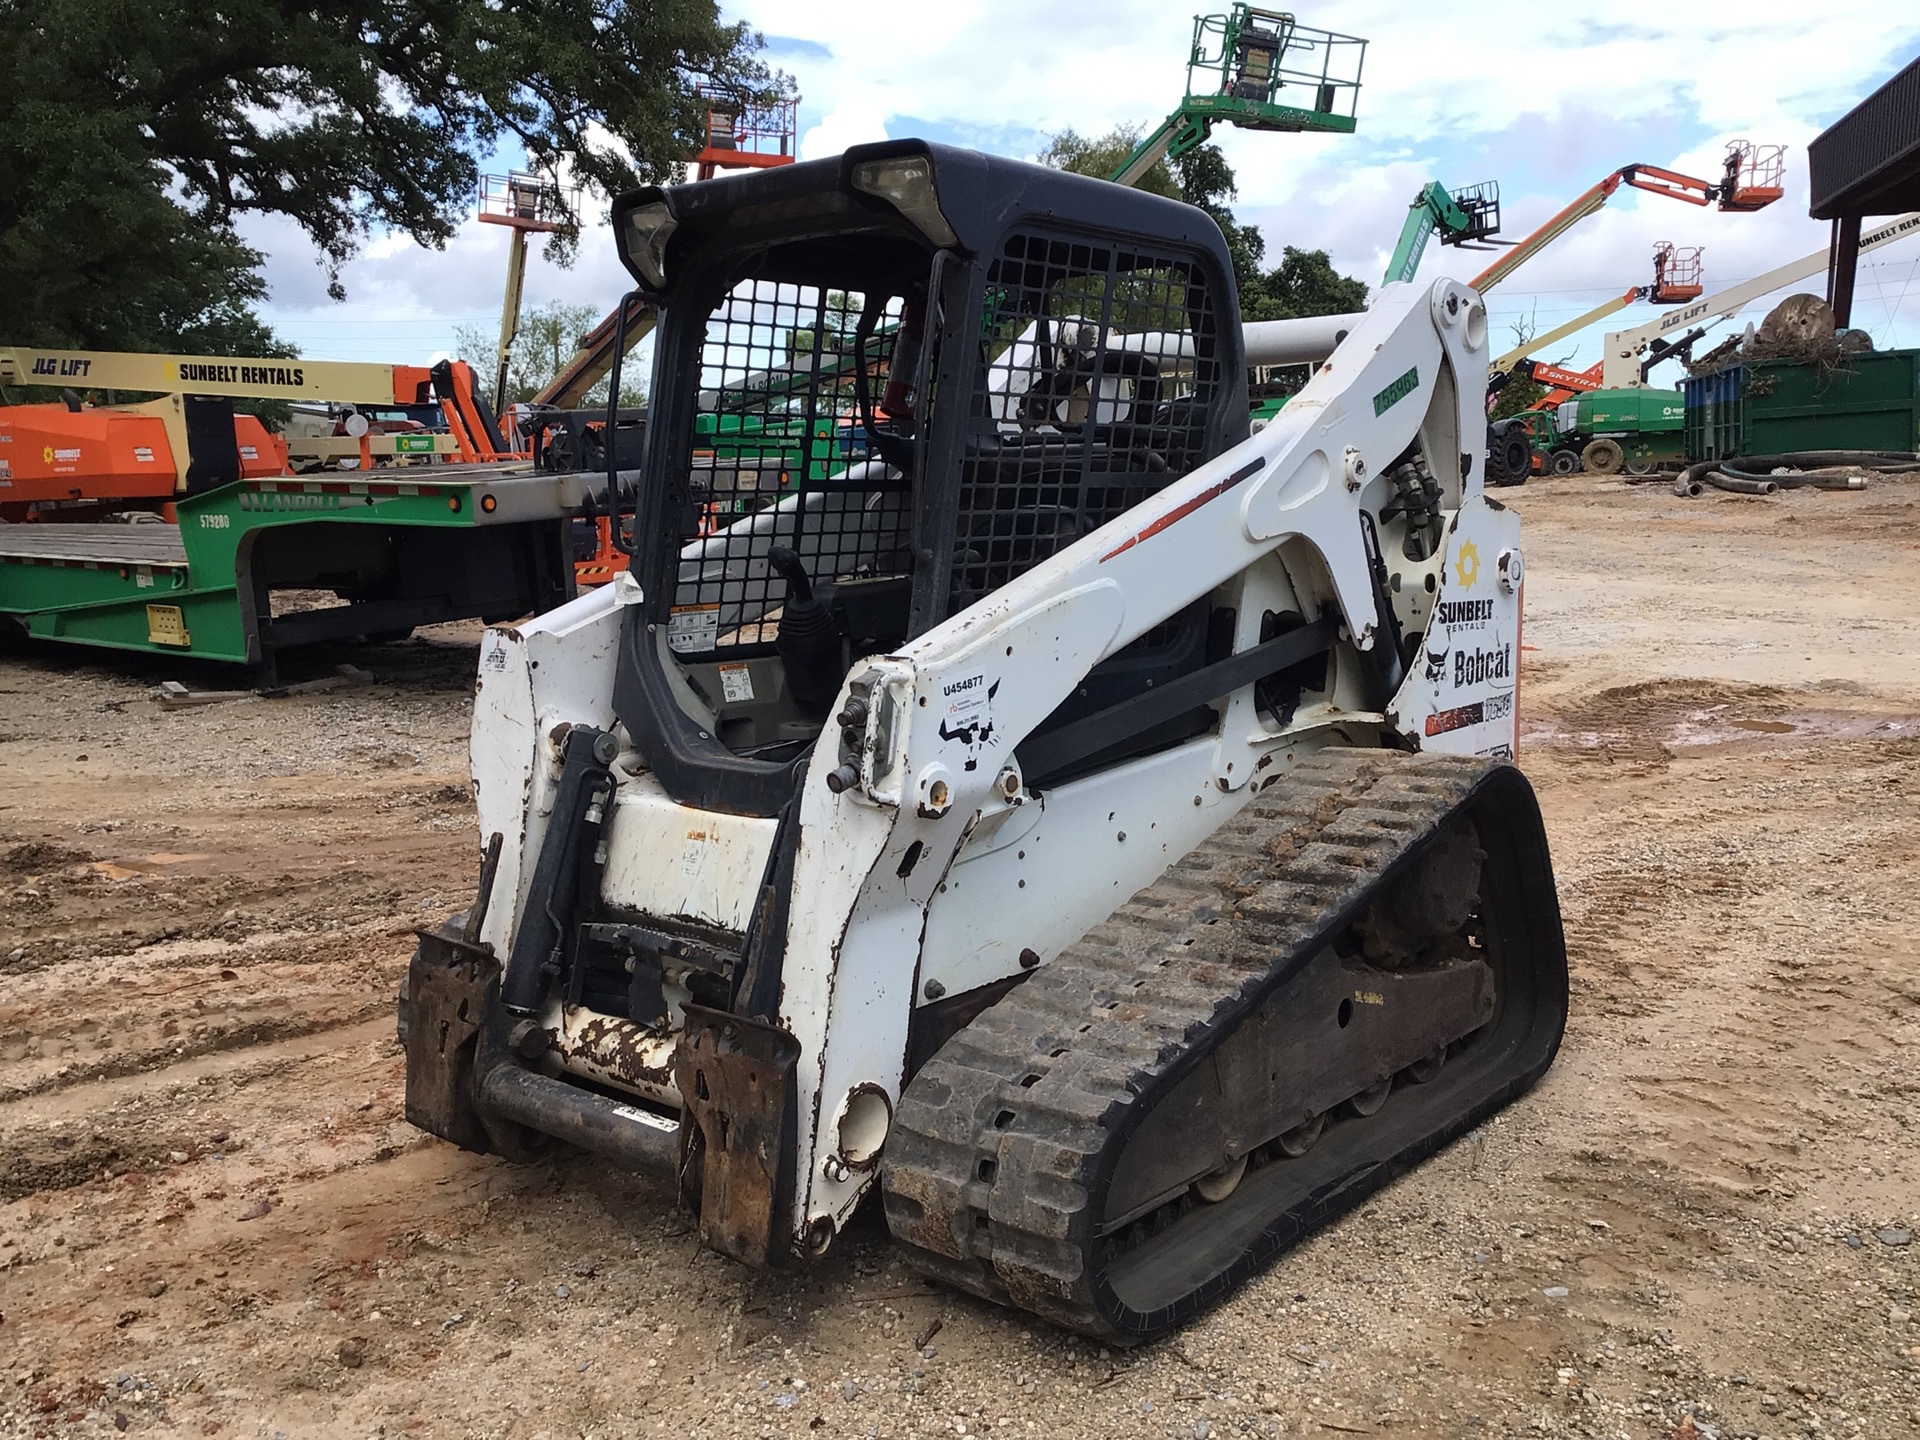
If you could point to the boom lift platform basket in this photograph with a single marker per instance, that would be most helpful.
(1676, 273)
(1261, 70)
(745, 132)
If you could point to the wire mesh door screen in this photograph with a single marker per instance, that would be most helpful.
(780, 457)
(1101, 376)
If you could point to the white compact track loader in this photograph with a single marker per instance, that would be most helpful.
(999, 779)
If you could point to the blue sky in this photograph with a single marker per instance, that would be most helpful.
(1544, 102)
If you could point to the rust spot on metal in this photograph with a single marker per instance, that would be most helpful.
(621, 1048)
(451, 984)
(737, 1078)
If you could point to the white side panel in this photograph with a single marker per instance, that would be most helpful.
(970, 689)
(676, 863)
(1056, 868)
(853, 941)
(1459, 696)
(557, 667)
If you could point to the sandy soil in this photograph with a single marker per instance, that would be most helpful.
(213, 1219)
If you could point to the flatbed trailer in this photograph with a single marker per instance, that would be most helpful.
(396, 551)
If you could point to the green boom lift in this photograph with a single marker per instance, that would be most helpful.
(1240, 66)
(1466, 217)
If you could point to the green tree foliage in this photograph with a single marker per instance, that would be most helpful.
(138, 131)
(1206, 180)
(1304, 283)
(94, 253)
(546, 340)
(1082, 155)
(1519, 393)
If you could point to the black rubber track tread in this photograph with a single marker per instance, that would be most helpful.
(996, 1150)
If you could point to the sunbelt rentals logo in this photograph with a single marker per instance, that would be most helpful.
(1466, 565)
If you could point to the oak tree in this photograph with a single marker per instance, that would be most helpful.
(135, 134)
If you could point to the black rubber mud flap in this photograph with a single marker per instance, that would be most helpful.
(737, 1133)
(452, 985)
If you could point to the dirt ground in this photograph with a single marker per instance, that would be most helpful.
(213, 1219)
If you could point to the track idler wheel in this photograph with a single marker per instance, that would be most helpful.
(1298, 1141)
(1222, 1182)
(1369, 1100)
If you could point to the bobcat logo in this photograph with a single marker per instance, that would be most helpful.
(1438, 646)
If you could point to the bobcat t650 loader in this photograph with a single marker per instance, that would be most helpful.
(1000, 780)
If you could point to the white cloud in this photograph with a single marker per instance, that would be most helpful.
(854, 121)
(1450, 92)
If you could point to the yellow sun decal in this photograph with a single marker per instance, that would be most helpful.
(1466, 566)
(47, 454)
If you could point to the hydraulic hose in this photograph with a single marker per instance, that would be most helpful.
(1804, 469)
(1823, 477)
(1740, 484)
(573, 828)
(1822, 459)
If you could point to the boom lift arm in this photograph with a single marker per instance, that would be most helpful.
(526, 204)
(1507, 362)
(1621, 365)
(451, 384)
(1630, 354)
(1751, 181)
(266, 378)
(1676, 277)
(594, 359)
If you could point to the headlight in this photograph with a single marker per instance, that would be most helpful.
(645, 242)
(906, 183)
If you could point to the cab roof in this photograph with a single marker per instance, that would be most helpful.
(980, 196)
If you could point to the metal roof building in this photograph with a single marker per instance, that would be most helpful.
(1866, 163)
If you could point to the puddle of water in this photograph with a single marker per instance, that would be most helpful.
(1805, 726)
(1709, 727)
(143, 865)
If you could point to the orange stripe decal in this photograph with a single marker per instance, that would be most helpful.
(1181, 511)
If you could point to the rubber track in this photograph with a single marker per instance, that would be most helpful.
(1036, 1086)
